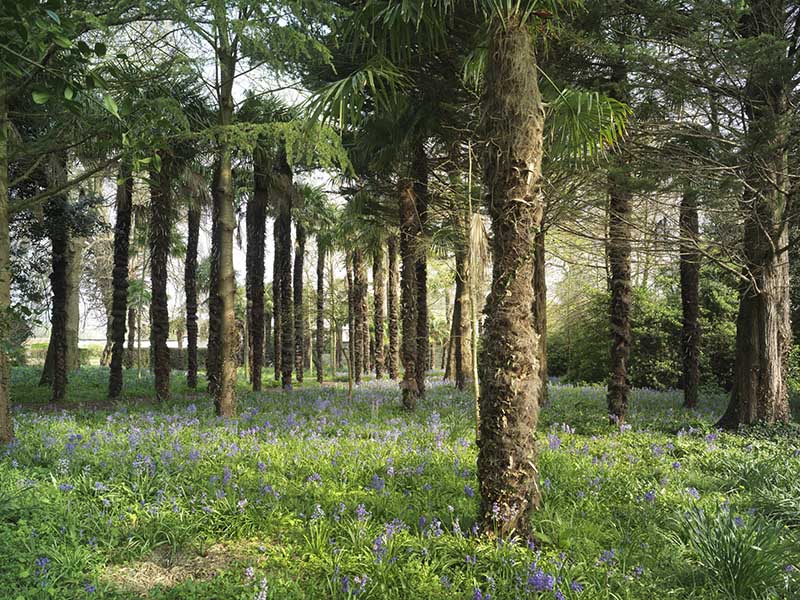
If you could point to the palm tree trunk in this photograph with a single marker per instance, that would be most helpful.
(213, 348)
(409, 233)
(190, 283)
(420, 166)
(690, 296)
(119, 303)
(268, 349)
(320, 335)
(540, 310)
(351, 320)
(130, 352)
(359, 292)
(276, 300)
(6, 424)
(160, 233)
(460, 341)
(393, 308)
(512, 122)
(379, 286)
(256, 217)
(283, 232)
(299, 309)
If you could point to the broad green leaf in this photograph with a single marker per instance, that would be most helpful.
(111, 105)
(41, 97)
(69, 93)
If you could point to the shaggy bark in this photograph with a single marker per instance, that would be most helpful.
(359, 316)
(283, 233)
(320, 333)
(6, 423)
(540, 310)
(763, 330)
(379, 286)
(55, 373)
(409, 296)
(256, 217)
(392, 308)
(512, 121)
(299, 308)
(159, 231)
(268, 349)
(460, 345)
(213, 359)
(420, 166)
(690, 296)
(119, 302)
(276, 298)
(351, 321)
(190, 283)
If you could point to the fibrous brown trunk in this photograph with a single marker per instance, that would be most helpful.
(690, 296)
(763, 330)
(213, 359)
(392, 307)
(460, 342)
(6, 424)
(409, 232)
(320, 333)
(351, 319)
(190, 283)
(512, 122)
(540, 310)
(256, 217)
(299, 309)
(159, 231)
(379, 286)
(119, 303)
(276, 301)
(268, 350)
(360, 318)
(420, 167)
(283, 250)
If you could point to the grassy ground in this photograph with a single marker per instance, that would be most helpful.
(310, 494)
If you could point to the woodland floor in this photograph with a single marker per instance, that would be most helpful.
(309, 494)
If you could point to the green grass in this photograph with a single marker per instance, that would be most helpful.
(309, 494)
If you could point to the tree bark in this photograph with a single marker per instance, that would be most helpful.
(283, 233)
(409, 232)
(130, 352)
(160, 233)
(512, 122)
(690, 296)
(190, 283)
(379, 287)
(763, 332)
(420, 167)
(213, 348)
(75, 248)
(299, 308)
(351, 319)
(392, 307)
(276, 295)
(268, 349)
(320, 334)
(460, 338)
(6, 423)
(540, 310)
(119, 303)
(359, 294)
(256, 217)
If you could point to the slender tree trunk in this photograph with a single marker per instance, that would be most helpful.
(57, 217)
(299, 308)
(351, 318)
(320, 334)
(512, 122)
(119, 303)
(690, 296)
(540, 310)
(763, 329)
(379, 287)
(6, 423)
(160, 234)
(392, 305)
(268, 349)
(213, 347)
(190, 283)
(420, 166)
(75, 248)
(409, 296)
(283, 229)
(460, 342)
(359, 293)
(256, 218)
(130, 353)
(276, 297)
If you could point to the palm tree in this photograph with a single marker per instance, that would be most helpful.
(299, 308)
(392, 298)
(256, 232)
(119, 308)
